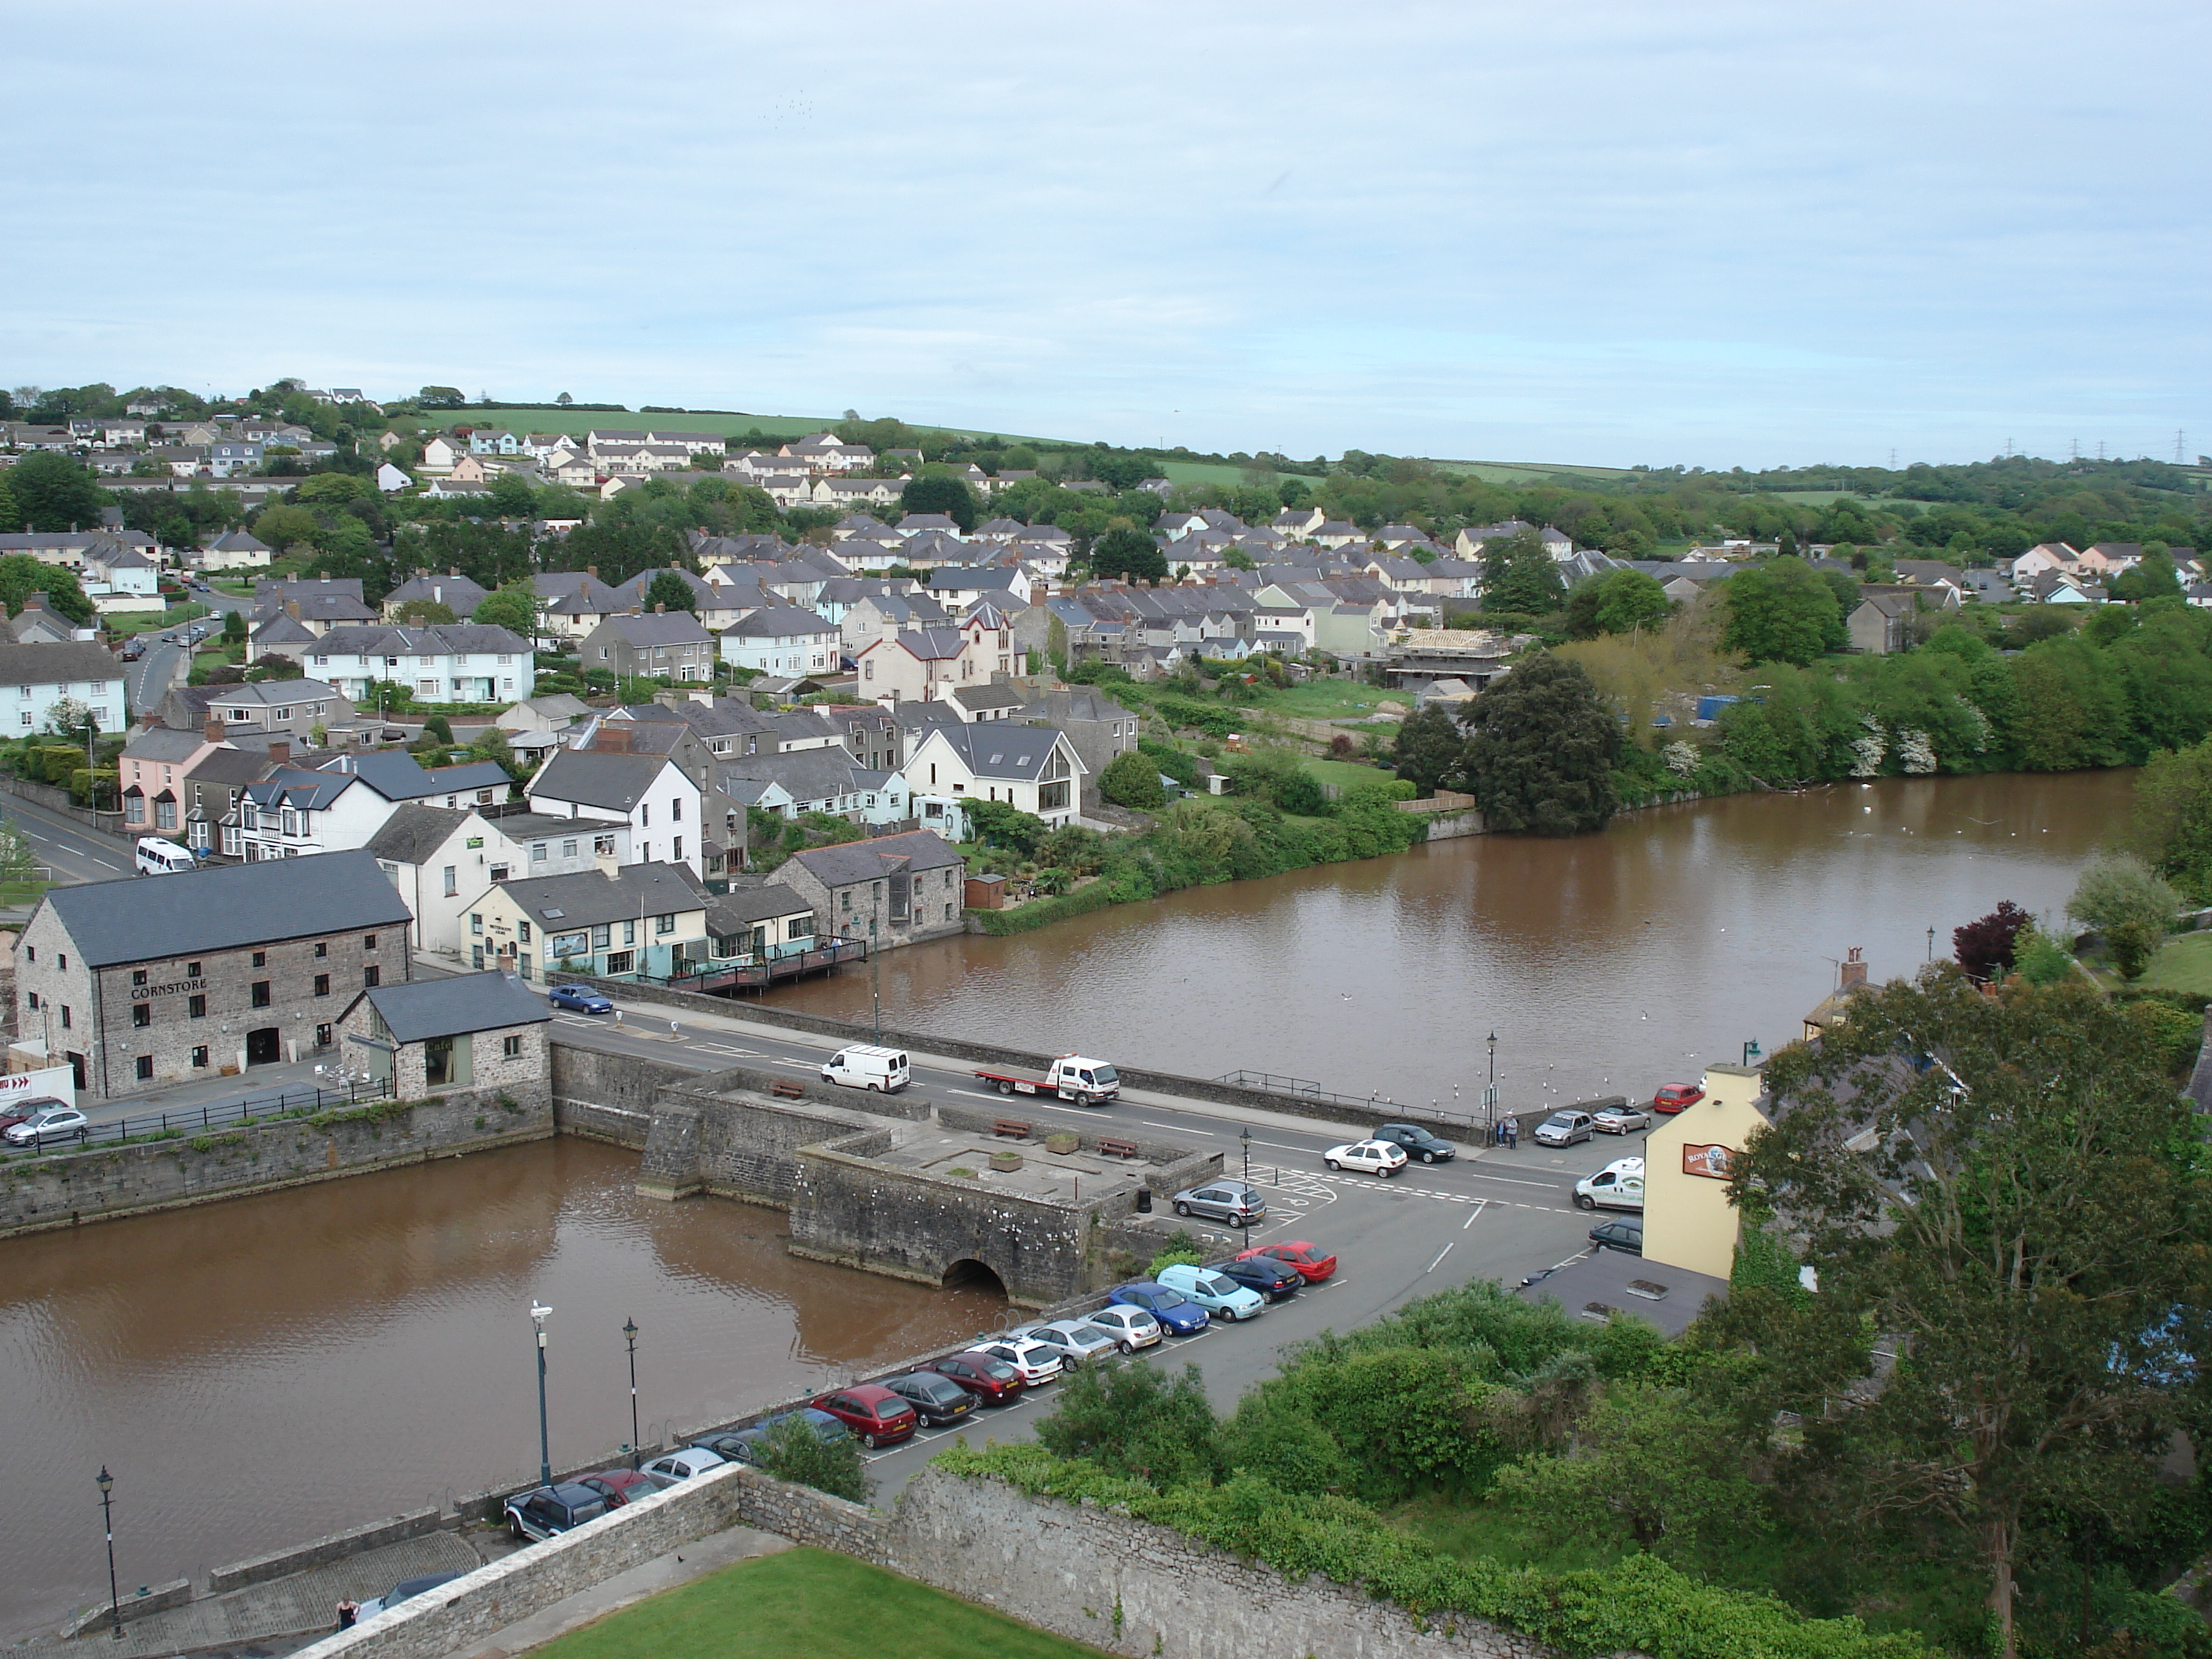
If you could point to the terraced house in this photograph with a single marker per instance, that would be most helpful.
(446, 663)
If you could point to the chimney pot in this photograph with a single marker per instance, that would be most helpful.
(213, 731)
(660, 607)
(280, 751)
(593, 571)
(1854, 966)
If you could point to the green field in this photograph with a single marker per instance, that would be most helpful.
(1345, 775)
(577, 422)
(812, 1603)
(1209, 472)
(2183, 963)
(1331, 699)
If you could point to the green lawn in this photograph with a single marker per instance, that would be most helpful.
(2183, 963)
(1344, 774)
(1208, 472)
(810, 1602)
(1330, 700)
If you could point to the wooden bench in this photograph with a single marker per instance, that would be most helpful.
(1113, 1148)
(784, 1089)
(1013, 1128)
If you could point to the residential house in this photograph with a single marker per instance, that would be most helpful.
(659, 644)
(1881, 623)
(554, 714)
(293, 811)
(894, 890)
(453, 590)
(444, 662)
(658, 729)
(151, 773)
(1035, 767)
(649, 793)
(439, 454)
(494, 441)
(442, 858)
(761, 919)
(1095, 725)
(471, 1031)
(782, 639)
(37, 680)
(38, 623)
(576, 601)
(234, 549)
(647, 919)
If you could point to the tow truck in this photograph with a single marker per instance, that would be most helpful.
(1072, 1076)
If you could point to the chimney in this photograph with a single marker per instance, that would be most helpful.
(292, 609)
(1853, 968)
(634, 611)
(452, 570)
(280, 751)
(660, 607)
(593, 571)
(611, 739)
(213, 731)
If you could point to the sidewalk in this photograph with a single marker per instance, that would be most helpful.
(215, 1090)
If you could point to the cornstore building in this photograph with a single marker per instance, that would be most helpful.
(163, 979)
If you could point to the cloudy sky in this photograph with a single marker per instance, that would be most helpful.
(1699, 232)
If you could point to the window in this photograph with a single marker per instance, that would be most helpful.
(323, 1037)
(499, 872)
(261, 994)
(196, 1007)
(676, 811)
(664, 925)
(323, 950)
(629, 932)
(371, 976)
(62, 960)
(31, 998)
(261, 958)
(67, 1022)
(192, 970)
(676, 853)
(322, 985)
(511, 1047)
(537, 852)
(138, 976)
(600, 935)
(568, 849)
(453, 881)
(476, 923)
(145, 1067)
(644, 814)
(141, 1015)
(523, 930)
(200, 1055)
(603, 847)
(368, 941)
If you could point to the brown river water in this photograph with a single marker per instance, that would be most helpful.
(259, 1372)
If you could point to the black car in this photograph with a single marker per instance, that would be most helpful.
(1420, 1145)
(1626, 1236)
(730, 1444)
(1272, 1278)
(552, 1510)
(935, 1399)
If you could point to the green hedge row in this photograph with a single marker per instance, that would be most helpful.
(1040, 913)
(1640, 1603)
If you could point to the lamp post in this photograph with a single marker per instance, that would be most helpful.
(1751, 1051)
(1490, 1094)
(537, 1317)
(875, 983)
(106, 1483)
(1931, 944)
(1246, 1137)
(629, 1334)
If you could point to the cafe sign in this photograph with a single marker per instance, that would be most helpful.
(1714, 1163)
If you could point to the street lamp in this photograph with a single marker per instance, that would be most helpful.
(107, 1484)
(537, 1317)
(1751, 1051)
(629, 1334)
(1490, 1094)
(1246, 1137)
(1931, 944)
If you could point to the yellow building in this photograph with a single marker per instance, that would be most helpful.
(1688, 1221)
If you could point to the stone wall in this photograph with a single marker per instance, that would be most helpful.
(63, 1188)
(593, 1077)
(298, 1557)
(729, 1135)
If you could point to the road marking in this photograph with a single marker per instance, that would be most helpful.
(722, 1048)
(1441, 1254)
(1469, 1222)
(1176, 1128)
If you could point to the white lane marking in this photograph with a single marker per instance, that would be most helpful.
(722, 1048)
(1469, 1222)
(103, 861)
(1176, 1128)
(1441, 1254)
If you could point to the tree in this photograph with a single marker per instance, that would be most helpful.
(1983, 947)
(51, 492)
(2002, 1191)
(1131, 1421)
(564, 400)
(233, 627)
(1431, 748)
(2172, 829)
(22, 576)
(511, 496)
(423, 612)
(793, 1449)
(1782, 611)
(1001, 824)
(281, 524)
(440, 396)
(439, 727)
(1629, 600)
(1128, 554)
(2120, 891)
(670, 589)
(514, 607)
(1518, 575)
(2153, 577)
(935, 493)
(1133, 780)
(1540, 751)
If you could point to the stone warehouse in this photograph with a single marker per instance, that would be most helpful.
(475, 1030)
(160, 978)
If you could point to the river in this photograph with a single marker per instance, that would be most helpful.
(260, 1372)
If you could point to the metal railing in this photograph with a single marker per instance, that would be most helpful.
(255, 1108)
(1306, 1089)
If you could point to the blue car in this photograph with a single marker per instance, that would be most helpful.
(576, 997)
(1178, 1313)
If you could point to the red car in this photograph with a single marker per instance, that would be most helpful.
(618, 1487)
(872, 1411)
(986, 1376)
(1673, 1097)
(17, 1111)
(1312, 1265)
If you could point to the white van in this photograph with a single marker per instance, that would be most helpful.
(1619, 1186)
(157, 857)
(862, 1067)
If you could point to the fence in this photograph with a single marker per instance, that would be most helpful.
(287, 1102)
(1306, 1089)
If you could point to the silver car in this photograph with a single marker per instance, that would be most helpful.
(1620, 1120)
(1078, 1339)
(1130, 1328)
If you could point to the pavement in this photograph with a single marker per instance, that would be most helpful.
(182, 1100)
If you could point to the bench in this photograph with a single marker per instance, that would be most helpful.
(1113, 1148)
(784, 1089)
(1011, 1127)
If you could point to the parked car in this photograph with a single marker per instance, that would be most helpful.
(580, 998)
(17, 1111)
(618, 1487)
(1314, 1264)
(680, 1466)
(872, 1411)
(936, 1400)
(406, 1590)
(1178, 1313)
(1673, 1097)
(1620, 1120)
(49, 1123)
(1237, 1202)
(536, 1516)
(986, 1377)
(1220, 1296)
(743, 1445)
(1038, 1362)
(1131, 1327)
(1376, 1157)
(862, 1066)
(1270, 1276)
(133, 650)
(1565, 1129)
(1619, 1186)
(1621, 1235)
(1418, 1142)
(1079, 1340)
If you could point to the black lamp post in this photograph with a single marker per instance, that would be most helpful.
(1751, 1051)
(1931, 944)
(1490, 1095)
(106, 1483)
(537, 1317)
(629, 1334)
(1246, 1137)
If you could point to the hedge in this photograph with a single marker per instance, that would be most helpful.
(1638, 1603)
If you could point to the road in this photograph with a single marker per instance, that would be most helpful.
(74, 852)
(1488, 1214)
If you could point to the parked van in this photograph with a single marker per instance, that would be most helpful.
(157, 857)
(1619, 1186)
(863, 1067)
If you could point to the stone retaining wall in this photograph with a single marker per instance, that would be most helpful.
(62, 1189)
(260, 1569)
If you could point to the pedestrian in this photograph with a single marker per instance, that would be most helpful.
(347, 1612)
(1513, 1135)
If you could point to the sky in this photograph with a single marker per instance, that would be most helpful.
(1699, 234)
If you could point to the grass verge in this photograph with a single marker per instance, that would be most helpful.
(2183, 963)
(812, 1602)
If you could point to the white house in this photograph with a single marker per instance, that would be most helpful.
(446, 662)
(33, 678)
(298, 810)
(439, 859)
(648, 793)
(1034, 768)
(782, 639)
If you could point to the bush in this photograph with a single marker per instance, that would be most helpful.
(1133, 780)
(1131, 1419)
(792, 1451)
(1170, 760)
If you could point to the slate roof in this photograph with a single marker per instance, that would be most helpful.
(851, 861)
(654, 628)
(426, 1008)
(226, 908)
(439, 639)
(458, 593)
(927, 644)
(57, 664)
(780, 622)
(806, 774)
(987, 696)
(163, 743)
(741, 908)
(396, 775)
(589, 897)
(414, 832)
(601, 778)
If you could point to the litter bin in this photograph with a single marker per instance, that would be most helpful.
(1144, 1200)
